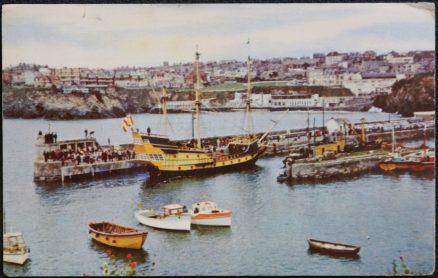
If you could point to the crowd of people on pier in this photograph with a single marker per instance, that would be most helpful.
(88, 155)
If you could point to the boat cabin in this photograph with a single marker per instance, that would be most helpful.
(336, 147)
(173, 209)
(205, 206)
(13, 241)
(155, 139)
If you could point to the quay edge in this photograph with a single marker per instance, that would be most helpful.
(332, 168)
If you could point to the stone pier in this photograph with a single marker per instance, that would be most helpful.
(286, 144)
(48, 169)
(54, 171)
(335, 168)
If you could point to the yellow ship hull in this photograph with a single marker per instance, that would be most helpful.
(116, 235)
(176, 160)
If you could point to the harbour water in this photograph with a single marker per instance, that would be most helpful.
(388, 215)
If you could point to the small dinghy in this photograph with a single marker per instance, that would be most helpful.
(332, 247)
(282, 178)
(117, 235)
(206, 213)
(174, 217)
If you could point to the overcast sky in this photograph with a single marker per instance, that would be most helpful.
(108, 36)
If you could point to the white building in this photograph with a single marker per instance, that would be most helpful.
(290, 101)
(68, 76)
(44, 71)
(185, 104)
(334, 58)
(18, 79)
(330, 77)
(257, 100)
(425, 115)
(372, 83)
(75, 88)
(399, 59)
(29, 78)
(335, 125)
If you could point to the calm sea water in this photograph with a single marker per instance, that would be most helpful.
(388, 215)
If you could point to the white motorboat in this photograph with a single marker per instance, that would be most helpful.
(14, 248)
(173, 217)
(206, 213)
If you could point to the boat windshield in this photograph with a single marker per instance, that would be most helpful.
(205, 206)
(12, 240)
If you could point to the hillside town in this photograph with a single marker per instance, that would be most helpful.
(361, 75)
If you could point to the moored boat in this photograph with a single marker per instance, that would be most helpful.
(332, 247)
(418, 162)
(402, 164)
(423, 160)
(282, 177)
(15, 249)
(117, 235)
(164, 157)
(207, 213)
(173, 217)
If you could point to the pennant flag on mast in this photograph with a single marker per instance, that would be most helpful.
(127, 122)
(131, 121)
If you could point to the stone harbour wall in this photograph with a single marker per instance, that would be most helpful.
(333, 168)
(54, 171)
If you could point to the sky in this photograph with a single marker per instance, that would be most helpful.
(109, 36)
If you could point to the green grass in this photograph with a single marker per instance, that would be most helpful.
(236, 86)
(224, 87)
(269, 83)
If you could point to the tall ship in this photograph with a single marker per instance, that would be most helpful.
(165, 157)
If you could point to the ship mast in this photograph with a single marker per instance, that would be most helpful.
(197, 102)
(163, 102)
(248, 124)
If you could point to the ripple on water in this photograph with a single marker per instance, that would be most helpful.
(388, 215)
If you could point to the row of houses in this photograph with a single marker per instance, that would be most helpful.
(363, 73)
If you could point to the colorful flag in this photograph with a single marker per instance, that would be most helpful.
(130, 119)
(124, 127)
(127, 122)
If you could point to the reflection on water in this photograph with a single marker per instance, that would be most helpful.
(16, 269)
(426, 175)
(388, 214)
(211, 230)
(119, 254)
(342, 257)
(339, 178)
(199, 176)
(119, 257)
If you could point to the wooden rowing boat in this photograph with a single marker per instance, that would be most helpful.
(332, 247)
(117, 235)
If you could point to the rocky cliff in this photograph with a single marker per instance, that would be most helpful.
(30, 103)
(410, 95)
(114, 103)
